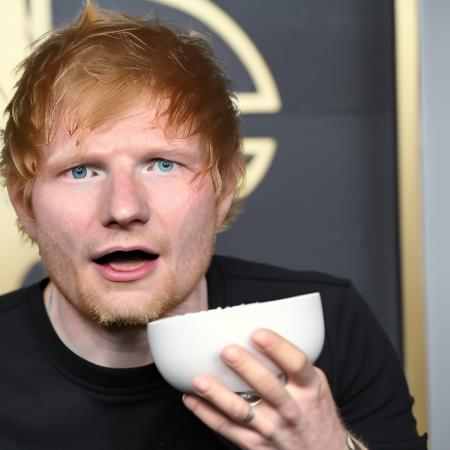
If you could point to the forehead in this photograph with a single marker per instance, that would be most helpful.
(139, 127)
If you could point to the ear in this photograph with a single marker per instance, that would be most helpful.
(224, 202)
(24, 211)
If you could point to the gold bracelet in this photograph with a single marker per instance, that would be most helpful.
(351, 444)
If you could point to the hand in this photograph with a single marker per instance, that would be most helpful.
(300, 414)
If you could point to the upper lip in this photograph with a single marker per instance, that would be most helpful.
(121, 248)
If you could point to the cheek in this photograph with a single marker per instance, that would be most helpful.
(190, 210)
(63, 219)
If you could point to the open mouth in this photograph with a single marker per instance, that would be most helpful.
(126, 260)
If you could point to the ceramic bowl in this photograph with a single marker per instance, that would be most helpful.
(188, 345)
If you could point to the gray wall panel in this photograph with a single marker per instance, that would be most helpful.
(436, 160)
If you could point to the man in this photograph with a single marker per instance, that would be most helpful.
(121, 157)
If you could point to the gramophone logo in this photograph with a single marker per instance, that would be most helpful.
(265, 98)
(25, 20)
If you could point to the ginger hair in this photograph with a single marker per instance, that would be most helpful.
(97, 67)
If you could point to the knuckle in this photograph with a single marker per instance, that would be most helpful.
(322, 382)
(290, 411)
(321, 375)
(309, 398)
(238, 413)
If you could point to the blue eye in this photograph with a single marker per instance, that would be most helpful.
(79, 172)
(165, 165)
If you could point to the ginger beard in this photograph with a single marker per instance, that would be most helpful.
(103, 303)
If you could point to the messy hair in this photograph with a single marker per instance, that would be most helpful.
(93, 69)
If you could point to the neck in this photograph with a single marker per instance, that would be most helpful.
(104, 346)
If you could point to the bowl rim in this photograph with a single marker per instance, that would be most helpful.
(305, 297)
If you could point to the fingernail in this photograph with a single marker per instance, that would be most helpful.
(261, 338)
(230, 353)
(201, 384)
(190, 401)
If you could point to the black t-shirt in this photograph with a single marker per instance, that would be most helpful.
(52, 399)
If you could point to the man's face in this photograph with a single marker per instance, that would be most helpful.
(124, 227)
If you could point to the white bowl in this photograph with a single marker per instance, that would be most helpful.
(188, 345)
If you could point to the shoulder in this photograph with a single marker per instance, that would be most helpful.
(240, 268)
(277, 282)
(14, 323)
(11, 300)
(15, 299)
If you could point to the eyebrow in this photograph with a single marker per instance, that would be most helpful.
(74, 155)
(65, 158)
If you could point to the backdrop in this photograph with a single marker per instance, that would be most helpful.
(315, 86)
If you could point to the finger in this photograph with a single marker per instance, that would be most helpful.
(234, 407)
(221, 397)
(262, 381)
(289, 358)
(218, 421)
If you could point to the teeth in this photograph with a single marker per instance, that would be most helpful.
(126, 265)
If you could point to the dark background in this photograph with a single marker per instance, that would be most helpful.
(328, 201)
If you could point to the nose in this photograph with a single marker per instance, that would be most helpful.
(125, 202)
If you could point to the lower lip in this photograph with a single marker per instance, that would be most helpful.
(133, 274)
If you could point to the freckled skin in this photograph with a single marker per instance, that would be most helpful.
(128, 197)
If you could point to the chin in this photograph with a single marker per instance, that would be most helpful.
(126, 312)
(114, 322)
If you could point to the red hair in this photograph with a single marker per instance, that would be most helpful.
(110, 61)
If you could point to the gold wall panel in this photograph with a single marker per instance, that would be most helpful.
(410, 201)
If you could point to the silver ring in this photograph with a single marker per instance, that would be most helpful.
(250, 415)
(249, 396)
